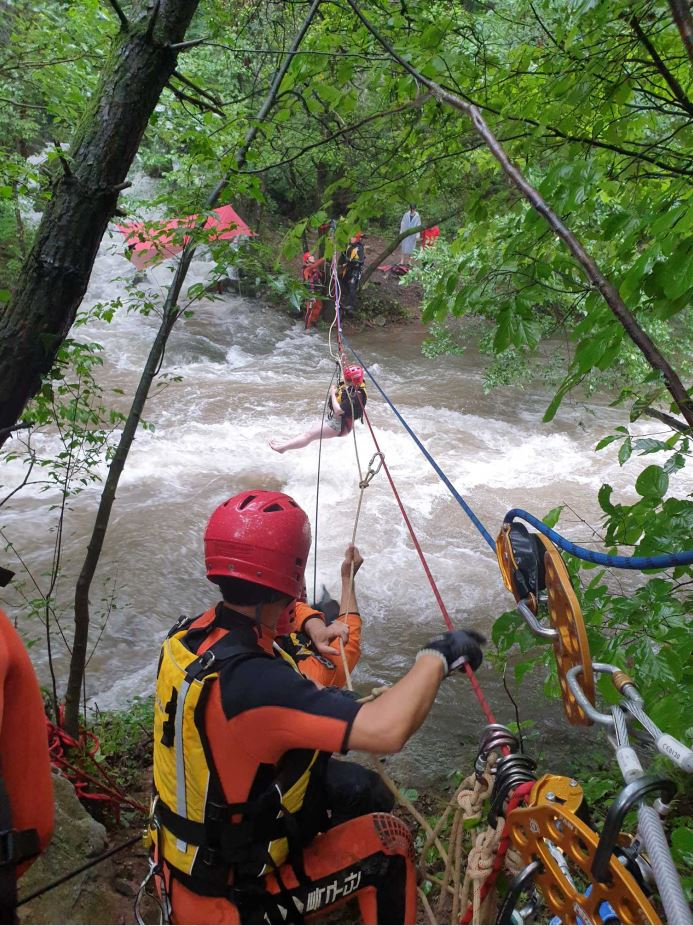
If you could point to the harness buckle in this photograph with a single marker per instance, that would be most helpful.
(366, 481)
(206, 659)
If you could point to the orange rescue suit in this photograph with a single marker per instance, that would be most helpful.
(25, 770)
(322, 669)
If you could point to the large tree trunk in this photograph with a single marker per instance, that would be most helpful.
(85, 192)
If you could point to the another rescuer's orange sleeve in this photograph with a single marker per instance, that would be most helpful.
(24, 764)
(300, 614)
(317, 670)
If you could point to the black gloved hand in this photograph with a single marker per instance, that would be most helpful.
(458, 647)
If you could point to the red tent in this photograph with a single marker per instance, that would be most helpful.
(146, 241)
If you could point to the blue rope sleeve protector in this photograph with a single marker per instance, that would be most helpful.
(664, 561)
(451, 488)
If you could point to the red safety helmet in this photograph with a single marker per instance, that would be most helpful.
(353, 374)
(308, 258)
(261, 537)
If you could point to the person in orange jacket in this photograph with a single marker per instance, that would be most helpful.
(326, 668)
(26, 787)
(314, 278)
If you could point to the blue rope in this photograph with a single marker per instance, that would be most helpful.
(456, 495)
(664, 561)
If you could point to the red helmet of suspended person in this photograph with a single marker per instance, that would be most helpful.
(261, 537)
(357, 236)
(353, 374)
(308, 258)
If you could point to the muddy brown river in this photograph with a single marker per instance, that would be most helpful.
(249, 372)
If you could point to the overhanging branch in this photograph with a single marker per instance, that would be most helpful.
(605, 287)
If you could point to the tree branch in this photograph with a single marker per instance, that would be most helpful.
(201, 104)
(419, 101)
(606, 288)
(669, 420)
(200, 90)
(124, 24)
(22, 426)
(671, 81)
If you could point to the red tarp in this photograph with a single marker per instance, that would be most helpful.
(146, 241)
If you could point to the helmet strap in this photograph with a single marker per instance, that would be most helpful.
(258, 619)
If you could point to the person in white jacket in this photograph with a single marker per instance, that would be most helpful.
(410, 219)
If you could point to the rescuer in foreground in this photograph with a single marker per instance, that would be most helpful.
(242, 830)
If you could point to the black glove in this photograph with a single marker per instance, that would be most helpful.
(458, 647)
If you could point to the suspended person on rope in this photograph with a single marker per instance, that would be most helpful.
(26, 786)
(314, 278)
(349, 269)
(243, 828)
(347, 402)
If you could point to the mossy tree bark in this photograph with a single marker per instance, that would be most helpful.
(84, 196)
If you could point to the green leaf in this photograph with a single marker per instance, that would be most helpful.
(604, 498)
(682, 842)
(652, 481)
(605, 441)
(625, 451)
(551, 519)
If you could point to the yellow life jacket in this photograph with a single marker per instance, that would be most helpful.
(202, 837)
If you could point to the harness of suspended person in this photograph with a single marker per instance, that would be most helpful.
(214, 847)
(351, 399)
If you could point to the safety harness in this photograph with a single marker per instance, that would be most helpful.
(214, 847)
(356, 405)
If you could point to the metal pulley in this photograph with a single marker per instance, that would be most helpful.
(533, 570)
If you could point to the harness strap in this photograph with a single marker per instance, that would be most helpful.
(16, 846)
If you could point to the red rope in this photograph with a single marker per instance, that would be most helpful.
(523, 790)
(476, 688)
(104, 787)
